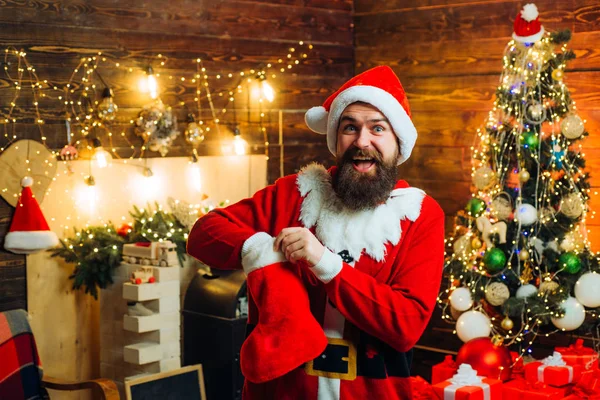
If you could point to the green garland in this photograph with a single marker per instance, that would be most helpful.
(96, 251)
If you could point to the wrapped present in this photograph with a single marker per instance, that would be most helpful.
(421, 389)
(466, 385)
(520, 389)
(518, 369)
(444, 370)
(578, 354)
(588, 387)
(553, 370)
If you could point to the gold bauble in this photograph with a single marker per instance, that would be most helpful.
(524, 255)
(548, 287)
(476, 243)
(524, 176)
(558, 74)
(507, 324)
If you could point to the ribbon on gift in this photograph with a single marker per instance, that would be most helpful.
(555, 360)
(448, 362)
(466, 376)
(578, 349)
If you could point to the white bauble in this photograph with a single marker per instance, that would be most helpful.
(526, 214)
(461, 299)
(587, 289)
(471, 325)
(526, 291)
(572, 126)
(462, 245)
(497, 293)
(483, 177)
(574, 315)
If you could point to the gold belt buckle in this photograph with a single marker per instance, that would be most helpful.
(350, 360)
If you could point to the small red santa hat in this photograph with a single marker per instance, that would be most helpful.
(527, 27)
(29, 231)
(379, 87)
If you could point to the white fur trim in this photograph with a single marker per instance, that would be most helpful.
(257, 252)
(316, 119)
(529, 39)
(529, 12)
(339, 228)
(328, 266)
(386, 103)
(28, 242)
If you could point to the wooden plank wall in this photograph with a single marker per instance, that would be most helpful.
(228, 35)
(448, 55)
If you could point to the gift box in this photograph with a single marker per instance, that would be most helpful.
(520, 389)
(466, 385)
(444, 370)
(553, 371)
(588, 387)
(421, 389)
(518, 369)
(578, 354)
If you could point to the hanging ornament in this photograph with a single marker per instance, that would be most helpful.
(507, 324)
(473, 324)
(157, 125)
(574, 315)
(548, 287)
(527, 273)
(494, 260)
(558, 155)
(572, 126)
(570, 262)
(523, 255)
(497, 293)
(484, 177)
(573, 241)
(501, 206)
(489, 357)
(476, 207)
(526, 214)
(476, 243)
(530, 140)
(489, 230)
(535, 113)
(194, 135)
(462, 245)
(571, 206)
(558, 75)
(107, 109)
(525, 291)
(586, 289)
(461, 299)
(524, 176)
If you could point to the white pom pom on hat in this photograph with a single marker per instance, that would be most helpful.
(379, 87)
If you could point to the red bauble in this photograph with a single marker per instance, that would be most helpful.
(489, 360)
(151, 279)
(124, 230)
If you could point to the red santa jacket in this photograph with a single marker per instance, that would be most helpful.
(380, 301)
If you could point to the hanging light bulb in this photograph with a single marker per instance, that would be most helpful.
(266, 89)
(194, 135)
(101, 157)
(107, 109)
(151, 83)
(240, 146)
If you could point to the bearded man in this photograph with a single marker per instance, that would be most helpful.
(343, 265)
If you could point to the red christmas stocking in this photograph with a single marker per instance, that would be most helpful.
(287, 334)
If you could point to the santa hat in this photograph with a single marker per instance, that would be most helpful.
(527, 27)
(29, 231)
(379, 87)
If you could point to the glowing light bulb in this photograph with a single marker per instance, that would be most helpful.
(107, 109)
(149, 84)
(239, 145)
(101, 157)
(267, 90)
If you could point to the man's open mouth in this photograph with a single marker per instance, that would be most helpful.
(363, 164)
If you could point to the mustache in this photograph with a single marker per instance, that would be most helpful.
(352, 152)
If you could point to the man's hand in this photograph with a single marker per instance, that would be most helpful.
(299, 244)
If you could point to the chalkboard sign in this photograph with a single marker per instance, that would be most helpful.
(182, 384)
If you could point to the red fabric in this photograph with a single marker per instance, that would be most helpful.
(525, 28)
(444, 370)
(382, 77)
(287, 334)
(554, 376)
(392, 300)
(471, 392)
(28, 216)
(520, 389)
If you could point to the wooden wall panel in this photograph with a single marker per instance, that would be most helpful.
(448, 55)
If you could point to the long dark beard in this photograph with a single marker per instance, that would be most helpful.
(359, 191)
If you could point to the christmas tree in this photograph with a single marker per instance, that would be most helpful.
(519, 263)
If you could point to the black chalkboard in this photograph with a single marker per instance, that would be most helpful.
(181, 384)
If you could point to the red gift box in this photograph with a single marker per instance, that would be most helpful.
(444, 370)
(518, 369)
(421, 389)
(466, 385)
(520, 389)
(551, 372)
(578, 354)
(588, 387)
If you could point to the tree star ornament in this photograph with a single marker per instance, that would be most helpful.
(488, 230)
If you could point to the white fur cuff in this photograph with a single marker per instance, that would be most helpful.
(257, 252)
(328, 267)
